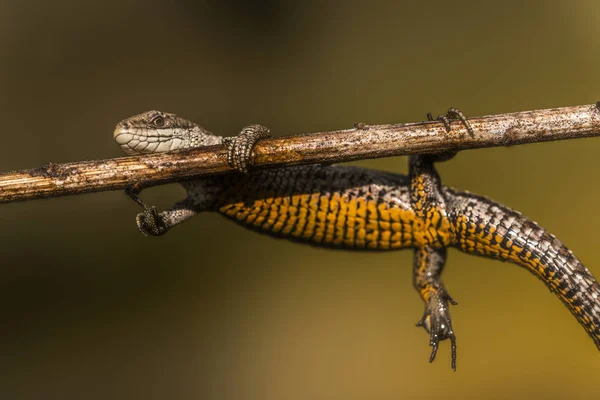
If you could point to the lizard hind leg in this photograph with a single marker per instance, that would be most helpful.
(240, 147)
(454, 114)
(451, 114)
(428, 266)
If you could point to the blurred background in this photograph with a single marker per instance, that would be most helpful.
(91, 309)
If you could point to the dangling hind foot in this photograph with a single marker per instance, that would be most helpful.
(438, 323)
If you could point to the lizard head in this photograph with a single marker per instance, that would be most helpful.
(158, 132)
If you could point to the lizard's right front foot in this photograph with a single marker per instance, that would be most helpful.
(150, 223)
(240, 147)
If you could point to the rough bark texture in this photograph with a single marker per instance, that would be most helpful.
(361, 142)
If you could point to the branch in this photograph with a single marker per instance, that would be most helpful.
(364, 141)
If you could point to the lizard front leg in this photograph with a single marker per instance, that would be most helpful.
(152, 222)
(428, 264)
(240, 147)
(155, 132)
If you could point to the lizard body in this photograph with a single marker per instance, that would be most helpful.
(356, 208)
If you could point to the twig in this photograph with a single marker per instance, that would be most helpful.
(364, 141)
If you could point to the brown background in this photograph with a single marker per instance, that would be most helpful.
(91, 309)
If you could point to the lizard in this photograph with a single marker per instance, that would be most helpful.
(348, 207)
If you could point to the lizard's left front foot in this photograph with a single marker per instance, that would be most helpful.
(240, 147)
(437, 322)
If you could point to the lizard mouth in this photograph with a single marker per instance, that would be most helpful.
(145, 141)
(122, 135)
(144, 134)
(140, 141)
(127, 139)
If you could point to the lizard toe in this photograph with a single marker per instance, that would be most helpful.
(239, 155)
(437, 322)
(150, 222)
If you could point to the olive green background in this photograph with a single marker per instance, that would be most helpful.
(91, 309)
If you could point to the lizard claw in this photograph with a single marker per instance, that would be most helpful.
(240, 147)
(453, 113)
(150, 223)
(437, 322)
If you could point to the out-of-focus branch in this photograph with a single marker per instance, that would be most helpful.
(361, 142)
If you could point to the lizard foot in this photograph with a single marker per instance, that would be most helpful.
(149, 222)
(454, 114)
(240, 147)
(437, 322)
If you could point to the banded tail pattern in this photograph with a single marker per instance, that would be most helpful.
(486, 228)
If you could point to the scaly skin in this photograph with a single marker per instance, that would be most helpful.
(357, 208)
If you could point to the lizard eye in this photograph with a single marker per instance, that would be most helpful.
(158, 121)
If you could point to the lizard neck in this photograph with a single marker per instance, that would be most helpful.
(200, 137)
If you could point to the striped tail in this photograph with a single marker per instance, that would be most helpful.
(489, 229)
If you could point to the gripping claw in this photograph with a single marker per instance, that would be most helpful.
(240, 147)
(455, 114)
